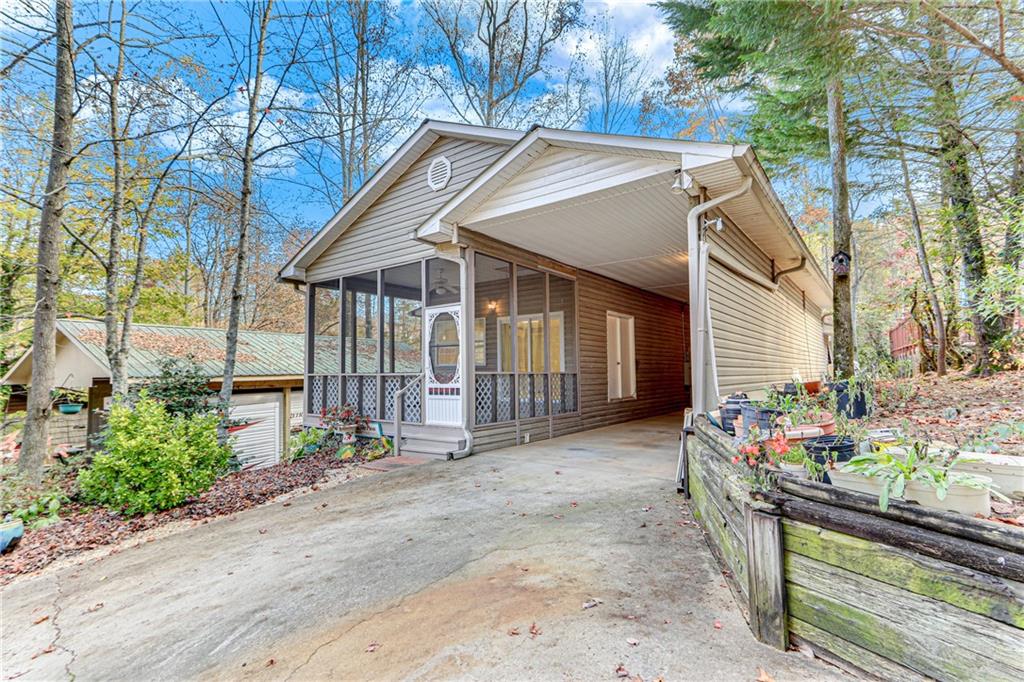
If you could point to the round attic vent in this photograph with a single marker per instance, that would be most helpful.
(439, 173)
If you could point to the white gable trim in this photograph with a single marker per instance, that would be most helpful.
(428, 133)
(684, 153)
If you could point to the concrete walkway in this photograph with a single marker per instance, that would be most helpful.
(437, 571)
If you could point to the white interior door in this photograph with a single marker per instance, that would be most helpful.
(443, 362)
(621, 356)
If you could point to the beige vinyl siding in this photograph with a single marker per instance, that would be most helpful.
(760, 337)
(383, 235)
(661, 333)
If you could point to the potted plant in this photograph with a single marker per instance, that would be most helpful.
(343, 422)
(922, 477)
(760, 452)
(68, 401)
(795, 462)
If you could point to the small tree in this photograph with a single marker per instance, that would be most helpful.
(181, 386)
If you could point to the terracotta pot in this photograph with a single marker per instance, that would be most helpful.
(812, 387)
(825, 421)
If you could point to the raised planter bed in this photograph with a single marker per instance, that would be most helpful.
(909, 593)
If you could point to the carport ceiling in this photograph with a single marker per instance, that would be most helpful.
(634, 233)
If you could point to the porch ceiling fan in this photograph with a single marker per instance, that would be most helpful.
(439, 287)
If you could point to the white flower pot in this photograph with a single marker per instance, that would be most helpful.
(1006, 471)
(856, 482)
(959, 498)
(795, 470)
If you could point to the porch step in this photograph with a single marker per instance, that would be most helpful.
(430, 446)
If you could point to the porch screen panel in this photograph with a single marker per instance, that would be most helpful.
(361, 357)
(443, 283)
(403, 320)
(530, 346)
(361, 331)
(492, 283)
(562, 344)
(324, 337)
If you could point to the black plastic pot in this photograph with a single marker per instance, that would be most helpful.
(749, 412)
(857, 408)
(731, 410)
(835, 448)
(766, 417)
(790, 389)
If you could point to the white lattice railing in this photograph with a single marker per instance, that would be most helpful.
(370, 394)
(538, 394)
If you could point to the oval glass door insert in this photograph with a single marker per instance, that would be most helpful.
(444, 349)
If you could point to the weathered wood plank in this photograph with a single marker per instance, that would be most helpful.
(997, 561)
(998, 598)
(848, 655)
(960, 525)
(926, 635)
(767, 582)
(724, 542)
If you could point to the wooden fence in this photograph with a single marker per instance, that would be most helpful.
(906, 594)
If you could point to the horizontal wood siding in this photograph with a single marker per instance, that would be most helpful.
(761, 338)
(662, 336)
(383, 235)
(661, 347)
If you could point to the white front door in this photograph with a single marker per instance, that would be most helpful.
(443, 362)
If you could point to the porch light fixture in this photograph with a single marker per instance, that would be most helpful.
(492, 306)
(681, 182)
(841, 264)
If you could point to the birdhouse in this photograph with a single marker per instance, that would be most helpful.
(841, 264)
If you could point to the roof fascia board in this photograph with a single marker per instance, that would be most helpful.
(428, 133)
(782, 217)
(690, 154)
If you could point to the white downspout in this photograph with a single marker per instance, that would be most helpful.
(700, 311)
(465, 354)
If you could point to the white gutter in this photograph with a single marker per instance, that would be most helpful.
(699, 310)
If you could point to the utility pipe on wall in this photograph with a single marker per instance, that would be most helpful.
(700, 313)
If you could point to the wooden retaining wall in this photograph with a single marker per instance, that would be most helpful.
(906, 594)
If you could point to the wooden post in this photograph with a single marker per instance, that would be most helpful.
(766, 577)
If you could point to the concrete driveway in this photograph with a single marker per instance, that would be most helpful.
(422, 573)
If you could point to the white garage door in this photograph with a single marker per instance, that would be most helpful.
(258, 442)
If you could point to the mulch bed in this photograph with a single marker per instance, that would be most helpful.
(88, 528)
(959, 407)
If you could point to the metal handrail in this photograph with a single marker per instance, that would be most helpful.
(399, 408)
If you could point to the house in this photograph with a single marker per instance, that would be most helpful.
(515, 286)
(269, 368)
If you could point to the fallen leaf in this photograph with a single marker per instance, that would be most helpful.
(373, 646)
(269, 663)
(48, 650)
(718, 625)
(41, 619)
(95, 608)
(621, 671)
(512, 632)
(646, 508)
(574, 504)
(643, 525)
(591, 603)
(633, 642)
(557, 472)
(763, 676)
(534, 631)
(263, 531)
(558, 516)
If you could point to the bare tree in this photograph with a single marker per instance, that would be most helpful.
(35, 439)
(488, 52)
(622, 78)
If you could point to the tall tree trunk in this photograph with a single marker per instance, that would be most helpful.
(118, 378)
(842, 232)
(237, 286)
(926, 270)
(963, 209)
(35, 440)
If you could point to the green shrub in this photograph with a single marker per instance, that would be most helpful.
(181, 385)
(153, 460)
(35, 505)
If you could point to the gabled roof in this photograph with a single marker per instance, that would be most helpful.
(399, 162)
(260, 354)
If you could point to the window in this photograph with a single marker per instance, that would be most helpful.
(480, 341)
(530, 340)
(444, 349)
(325, 328)
(443, 285)
(361, 323)
(403, 319)
(621, 357)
